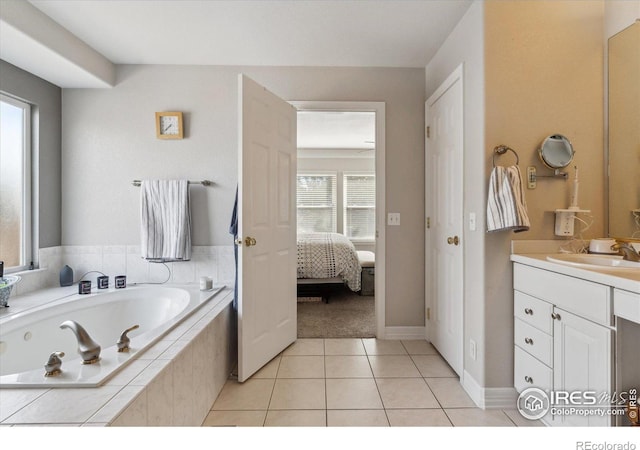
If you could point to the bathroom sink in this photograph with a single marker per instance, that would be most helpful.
(595, 261)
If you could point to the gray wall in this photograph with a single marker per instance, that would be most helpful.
(109, 140)
(46, 99)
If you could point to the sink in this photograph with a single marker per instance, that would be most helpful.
(608, 262)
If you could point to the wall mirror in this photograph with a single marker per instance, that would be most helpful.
(624, 133)
(556, 152)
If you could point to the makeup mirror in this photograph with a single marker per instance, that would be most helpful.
(556, 152)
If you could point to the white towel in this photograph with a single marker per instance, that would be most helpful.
(506, 207)
(166, 220)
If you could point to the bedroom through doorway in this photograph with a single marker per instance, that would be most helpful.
(337, 221)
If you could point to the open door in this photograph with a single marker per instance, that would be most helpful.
(267, 254)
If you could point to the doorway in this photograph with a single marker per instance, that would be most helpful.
(341, 190)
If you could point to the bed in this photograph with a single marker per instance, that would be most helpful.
(326, 260)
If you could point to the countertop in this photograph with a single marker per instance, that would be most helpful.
(628, 280)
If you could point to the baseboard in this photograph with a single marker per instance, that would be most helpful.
(489, 398)
(403, 333)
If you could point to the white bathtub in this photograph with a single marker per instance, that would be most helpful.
(28, 338)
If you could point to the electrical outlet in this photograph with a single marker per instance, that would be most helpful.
(393, 219)
(472, 349)
(564, 223)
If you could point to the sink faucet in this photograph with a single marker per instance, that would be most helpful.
(627, 251)
(88, 348)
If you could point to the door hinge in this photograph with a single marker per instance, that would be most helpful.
(428, 132)
(428, 222)
(428, 313)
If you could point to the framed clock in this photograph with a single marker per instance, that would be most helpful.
(169, 125)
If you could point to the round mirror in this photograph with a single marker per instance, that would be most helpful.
(556, 151)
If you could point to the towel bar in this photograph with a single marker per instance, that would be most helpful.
(203, 182)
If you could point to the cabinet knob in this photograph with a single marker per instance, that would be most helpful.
(528, 379)
(528, 311)
(556, 316)
(528, 341)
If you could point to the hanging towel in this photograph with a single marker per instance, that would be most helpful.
(506, 207)
(166, 220)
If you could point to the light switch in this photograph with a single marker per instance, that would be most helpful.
(393, 219)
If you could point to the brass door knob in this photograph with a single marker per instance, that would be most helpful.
(455, 240)
(249, 241)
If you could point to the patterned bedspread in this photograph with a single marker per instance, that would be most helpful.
(328, 255)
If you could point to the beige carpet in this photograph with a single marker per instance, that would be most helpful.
(347, 315)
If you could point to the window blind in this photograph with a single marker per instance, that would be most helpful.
(360, 206)
(316, 203)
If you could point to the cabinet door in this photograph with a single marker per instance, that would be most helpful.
(581, 362)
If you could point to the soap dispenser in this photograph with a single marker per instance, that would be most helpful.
(66, 276)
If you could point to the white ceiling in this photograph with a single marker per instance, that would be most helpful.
(339, 130)
(374, 33)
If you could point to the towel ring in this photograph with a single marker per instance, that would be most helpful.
(501, 150)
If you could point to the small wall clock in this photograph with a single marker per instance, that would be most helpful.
(169, 125)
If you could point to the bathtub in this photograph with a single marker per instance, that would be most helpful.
(29, 337)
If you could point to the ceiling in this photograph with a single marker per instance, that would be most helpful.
(372, 33)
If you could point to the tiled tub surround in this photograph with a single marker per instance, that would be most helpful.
(174, 382)
(214, 261)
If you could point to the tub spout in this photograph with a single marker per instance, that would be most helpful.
(88, 348)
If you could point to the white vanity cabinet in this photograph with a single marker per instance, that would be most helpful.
(562, 337)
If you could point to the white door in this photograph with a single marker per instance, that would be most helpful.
(444, 172)
(581, 362)
(267, 253)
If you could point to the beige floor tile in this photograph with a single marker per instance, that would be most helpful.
(521, 421)
(476, 417)
(344, 347)
(418, 418)
(357, 418)
(375, 346)
(252, 394)
(450, 392)
(352, 393)
(433, 366)
(347, 367)
(419, 347)
(296, 418)
(298, 394)
(301, 367)
(234, 419)
(269, 370)
(305, 347)
(404, 393)
(393, 366)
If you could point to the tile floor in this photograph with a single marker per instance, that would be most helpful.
(354, 382)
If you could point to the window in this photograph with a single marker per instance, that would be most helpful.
(15, 183)
(360, 206)
(316, 202)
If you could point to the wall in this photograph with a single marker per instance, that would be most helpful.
(109, 140)
(543, 75)
(46, 143)
(465, 46)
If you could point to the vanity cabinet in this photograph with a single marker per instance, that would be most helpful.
(562, 337)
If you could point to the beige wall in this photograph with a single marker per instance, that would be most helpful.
(109, 140)
(543, 74)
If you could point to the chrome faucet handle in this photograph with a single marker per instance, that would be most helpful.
(52, 367)
(627, 251)
(124, 341)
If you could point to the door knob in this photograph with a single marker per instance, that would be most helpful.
(455, 240)
(249, 241)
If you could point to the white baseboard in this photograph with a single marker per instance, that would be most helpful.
(489, 398)
(403, 333)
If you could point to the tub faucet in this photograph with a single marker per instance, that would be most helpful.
(88, 348)
(53, 365)
(627, 251)
(124, 340)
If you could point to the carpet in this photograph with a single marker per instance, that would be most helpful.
(347, 315)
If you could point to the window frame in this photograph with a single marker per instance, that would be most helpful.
(335, 207)
(345, 207)
(27, 254)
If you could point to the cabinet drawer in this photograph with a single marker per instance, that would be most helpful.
(626, 305)
(533, 341)
(533, 311)
(585, 298)
(529, 372)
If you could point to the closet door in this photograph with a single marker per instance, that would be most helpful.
(267, 253)
(444, 173)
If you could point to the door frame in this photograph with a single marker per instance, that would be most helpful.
(380, 246)
(456, 75)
